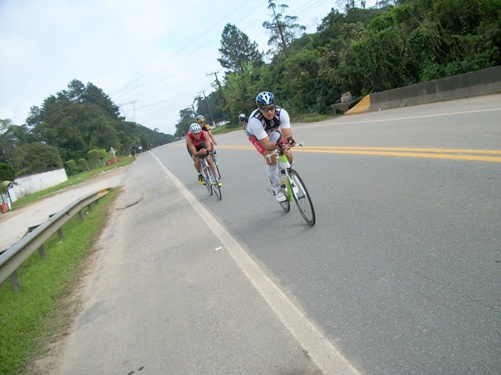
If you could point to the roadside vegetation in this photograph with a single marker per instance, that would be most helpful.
(72, 181)
(39, 312)
(355, 51)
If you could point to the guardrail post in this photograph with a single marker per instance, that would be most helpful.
(42, 252)
(80, 215)
(15, 282)
(60, 234)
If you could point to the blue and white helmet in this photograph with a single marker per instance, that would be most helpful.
(265, 98)
(195, 128)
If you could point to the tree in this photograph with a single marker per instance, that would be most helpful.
(237, 50)
(84, 117)
(34, 158)
(12, 136)
(6, 172)
(284, 29)
(187, 117)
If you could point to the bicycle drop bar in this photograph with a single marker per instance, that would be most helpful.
(277, 150)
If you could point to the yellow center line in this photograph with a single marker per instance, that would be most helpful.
(493, 159)
(430, 153)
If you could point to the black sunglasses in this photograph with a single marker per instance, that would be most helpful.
(267, 109)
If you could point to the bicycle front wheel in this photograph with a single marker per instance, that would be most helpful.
(302, 198)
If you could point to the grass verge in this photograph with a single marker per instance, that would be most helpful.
(32, 317)
(72, 181)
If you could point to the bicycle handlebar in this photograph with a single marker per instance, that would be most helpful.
(281, 150)
(203, 156)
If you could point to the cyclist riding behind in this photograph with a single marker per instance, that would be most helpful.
(242, 120)
(268, 128)
(198, 144)
(206, 127)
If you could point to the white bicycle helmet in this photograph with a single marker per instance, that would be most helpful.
(195, 128)
(200, 118)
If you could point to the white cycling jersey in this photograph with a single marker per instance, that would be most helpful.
(260, 127)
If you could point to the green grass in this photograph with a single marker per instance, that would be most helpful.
(312, 117)
(226, 129)
(33, 316)
(72, 181)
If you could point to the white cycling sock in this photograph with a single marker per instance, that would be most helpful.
(272, 171)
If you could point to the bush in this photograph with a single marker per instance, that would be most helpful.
(71, 167)
(82, 164)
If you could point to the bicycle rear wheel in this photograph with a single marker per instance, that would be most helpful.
(302, 198)
(208, 184)
(215, 186)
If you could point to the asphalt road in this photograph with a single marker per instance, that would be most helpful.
(402, 270)
(400, 275)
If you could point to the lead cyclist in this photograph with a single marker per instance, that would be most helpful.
(268, 128)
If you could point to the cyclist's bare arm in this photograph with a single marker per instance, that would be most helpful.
(267, 143)
(193, 149)
(286, 133)
(208, 142)
(212, 138)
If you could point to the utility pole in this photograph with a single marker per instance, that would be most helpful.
(208, 106)
(133, 103)
(219, 86)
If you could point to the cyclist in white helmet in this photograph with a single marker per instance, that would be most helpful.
(242, 120)
(269, 127)
(197, 144)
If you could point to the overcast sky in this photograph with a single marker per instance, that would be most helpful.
(151, 57)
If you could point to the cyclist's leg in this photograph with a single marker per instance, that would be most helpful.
(196, 160)
(271, 167)
(211, 164)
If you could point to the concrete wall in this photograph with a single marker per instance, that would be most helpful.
(31, 184)
(481, 82)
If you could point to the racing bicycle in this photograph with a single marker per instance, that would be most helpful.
(293, 187)
(211, 181)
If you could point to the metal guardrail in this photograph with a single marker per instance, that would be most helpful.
(15, 255)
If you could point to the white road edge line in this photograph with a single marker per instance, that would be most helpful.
(329, 360)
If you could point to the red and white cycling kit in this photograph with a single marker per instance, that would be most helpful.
(198, 143)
